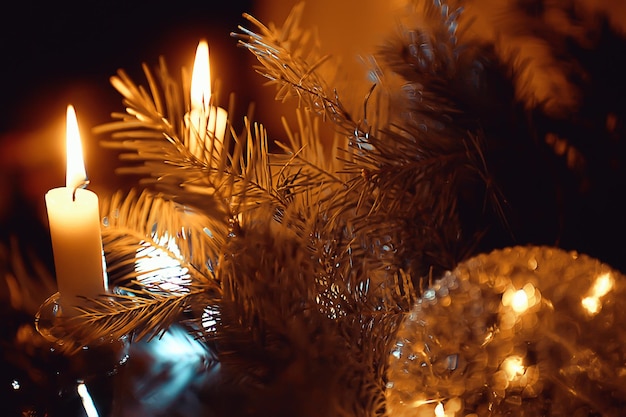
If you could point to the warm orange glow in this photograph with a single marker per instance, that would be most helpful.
(74, 220)
(602, 286)
(592, 302)
(207, 123)
(201, 79)
(519, 302)
(439, 411)
(75, 175)
(513, 367)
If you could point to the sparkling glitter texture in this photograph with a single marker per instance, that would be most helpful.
(523, 331)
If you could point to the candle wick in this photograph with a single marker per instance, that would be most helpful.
(83, 184)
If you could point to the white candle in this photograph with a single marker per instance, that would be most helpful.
(204, 121)
(75, 227)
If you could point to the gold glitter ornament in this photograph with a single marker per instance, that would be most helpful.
(518, 332)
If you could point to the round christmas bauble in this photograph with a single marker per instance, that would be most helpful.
(522, 331)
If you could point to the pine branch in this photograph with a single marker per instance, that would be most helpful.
(301, 258)
(134, 220)
(289, 58)
(142, 315)
(407, 177)
(154, 140)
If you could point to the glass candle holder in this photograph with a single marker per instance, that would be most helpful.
(81, 361)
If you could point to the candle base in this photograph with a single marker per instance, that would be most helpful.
(84, 361)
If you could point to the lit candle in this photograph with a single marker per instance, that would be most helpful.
(205, 121)
(75, 227)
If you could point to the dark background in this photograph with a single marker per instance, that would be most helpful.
(63, 50)
(57, 53)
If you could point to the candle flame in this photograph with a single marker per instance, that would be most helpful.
(201, 79)
(76, 176)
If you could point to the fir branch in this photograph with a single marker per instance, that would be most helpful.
(143, 315)
(132, 221)
(308, 259)
(402, 183)
(364, 363)
(289, 58)
(417, 177)
(154, 139)
(217, 183)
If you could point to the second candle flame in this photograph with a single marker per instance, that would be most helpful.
(201, 79)
(206, 122)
